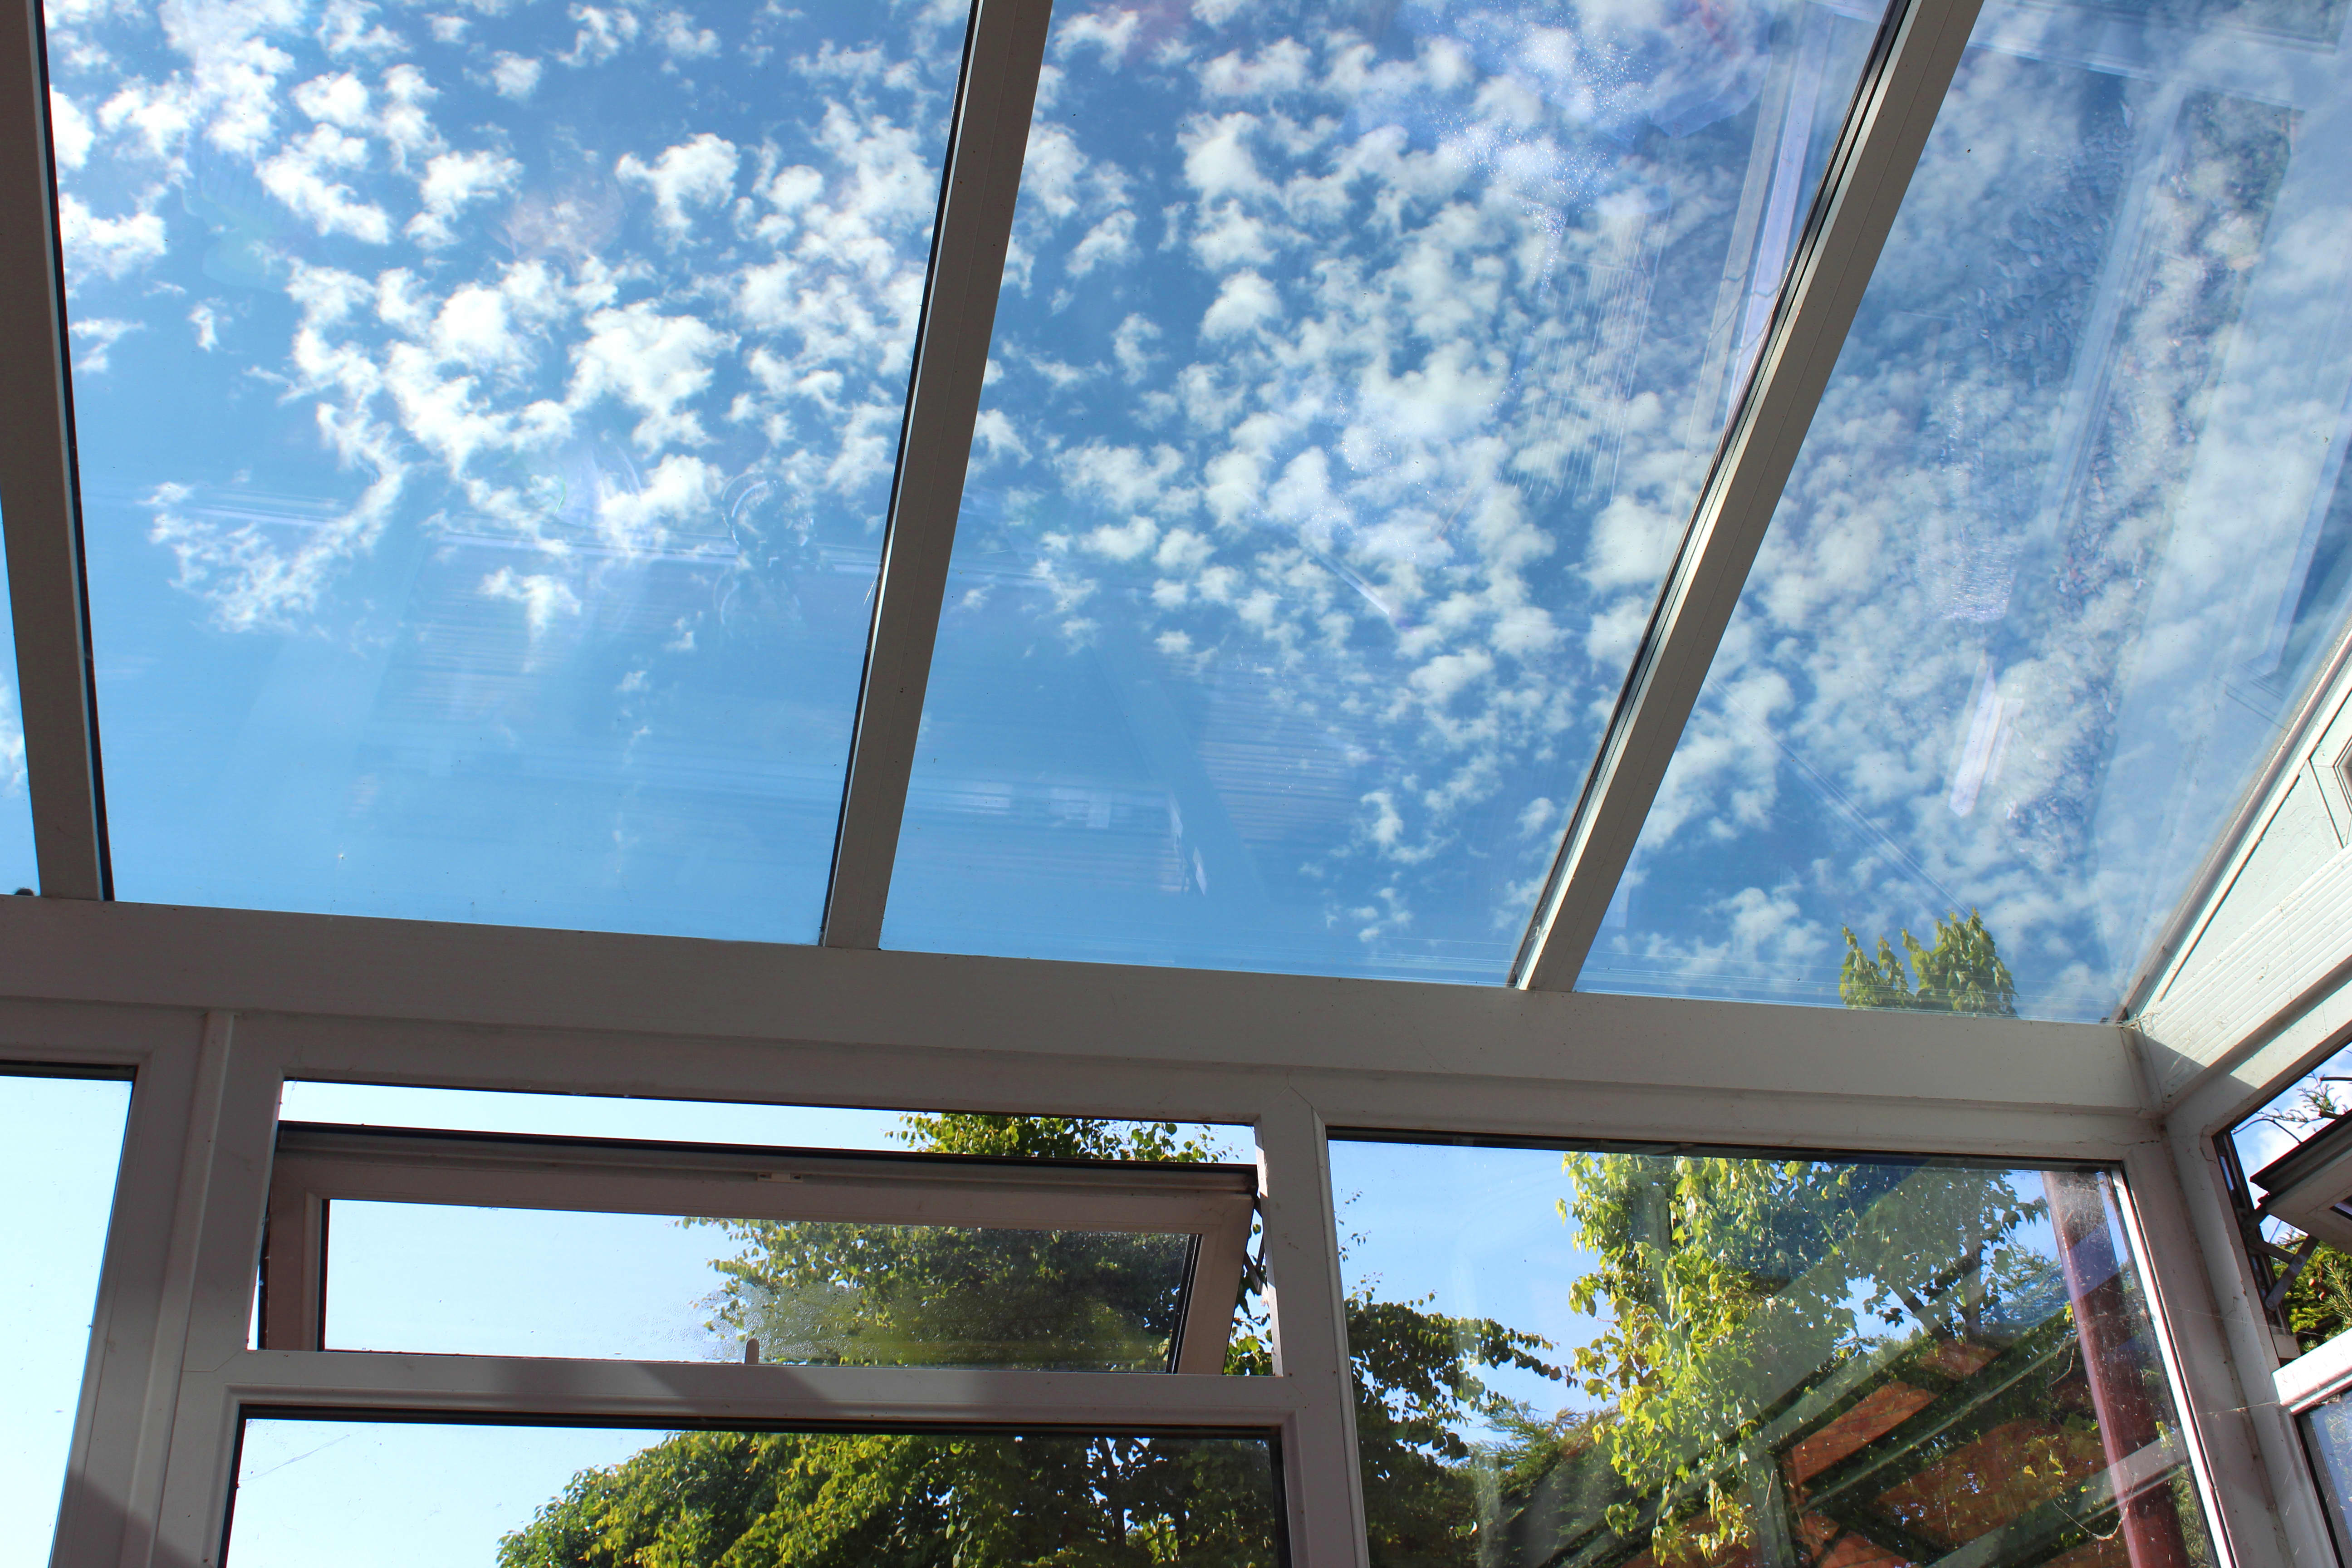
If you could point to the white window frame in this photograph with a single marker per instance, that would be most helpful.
(215, 1009)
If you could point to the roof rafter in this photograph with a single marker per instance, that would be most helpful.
(1895, 106)
(1003, 50)
(39, 491)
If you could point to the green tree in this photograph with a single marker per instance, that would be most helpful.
(891, 1294)
(1960, 972)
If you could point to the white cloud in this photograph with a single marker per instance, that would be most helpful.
(341, 101)
(514, 75)
(453, 182)
(544, 598)
(678, 486)
(652, 362)
(301, 174)
(69, 131)
(1110, 242)
(699, 173)
(1245, 300)
(208, 325)
(603, 32)
(682, 39)
(111, 246)
(94, 341)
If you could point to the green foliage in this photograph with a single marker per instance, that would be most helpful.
(2319, 1305)
(1723, 1282)
(877, 1294)
(1961, 972)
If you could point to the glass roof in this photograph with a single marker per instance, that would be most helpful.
(486, 427)
(2067, 539)
(1354, 374)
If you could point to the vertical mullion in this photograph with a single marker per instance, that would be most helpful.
(1885, 131)
(38, 496)
(1003, 52)
(1322, 1482)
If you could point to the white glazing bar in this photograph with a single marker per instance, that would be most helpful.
(1322, 1484)
(2298, 1532)
(124, 1327)
(37, 497)
(1005, 50)
(1885, 131)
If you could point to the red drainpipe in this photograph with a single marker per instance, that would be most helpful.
(2114, 1361)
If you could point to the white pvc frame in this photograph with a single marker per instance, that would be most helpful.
(215, 1009)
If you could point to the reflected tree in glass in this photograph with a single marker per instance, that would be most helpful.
(905, 1295)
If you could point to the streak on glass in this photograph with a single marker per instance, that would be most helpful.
(1641, 1358)
(19, 865)
(60, 1142)
(2070, 535)
(395, 1494)
(496, 1281)
(486, 423)
(1355, 369)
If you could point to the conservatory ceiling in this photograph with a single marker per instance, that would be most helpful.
(575, 468)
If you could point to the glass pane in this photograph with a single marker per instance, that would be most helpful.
(391, 1496)
(19, 868)
(60, 1142)
(504, 1281)
(2317, 1305)
(2066, 545)
(1354, 374)
(2328, 1435)
(1596, 1359)
(486, 423)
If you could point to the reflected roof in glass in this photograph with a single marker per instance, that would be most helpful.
(2068, 539)
(1354, 374)
(486, 423)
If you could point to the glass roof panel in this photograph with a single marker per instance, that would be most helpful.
(486, 425)
(2068, 539)
(1354, 372)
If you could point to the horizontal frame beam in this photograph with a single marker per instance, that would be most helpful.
(1388, 1051)
(712, 1393)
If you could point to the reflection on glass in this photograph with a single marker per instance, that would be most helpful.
(2315, 1304)
(1604, 1359)
(60, 1139)
(2067, 541)
(486, 423)
(2327, 1435)
(495, 1281)
(533, 1496)
(1354, 372)
(19, 869)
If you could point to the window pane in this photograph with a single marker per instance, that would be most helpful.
(504, 1281)
(60, 1140)
(1583, 1359)
(486, 423)
(1354, 374)
(2327, 1435)
(2066, 542)
(521, 1497)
